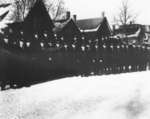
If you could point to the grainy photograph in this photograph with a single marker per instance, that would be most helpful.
(74, 59)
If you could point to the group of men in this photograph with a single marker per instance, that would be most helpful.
(77, 55)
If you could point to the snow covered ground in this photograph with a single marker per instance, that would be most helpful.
(124, 96)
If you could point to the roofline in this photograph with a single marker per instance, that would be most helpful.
(69, 20)
(88, 18)
(95, 29)
(89, 30)
(105, 18)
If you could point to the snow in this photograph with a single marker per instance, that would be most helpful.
(3, 24)
(124, 96)
(90, 30)
(3, 10)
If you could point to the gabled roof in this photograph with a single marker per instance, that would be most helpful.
(40, 15)
(135, 35)
(92, 24)
(59, 26)
(86, 24)
(128, 29)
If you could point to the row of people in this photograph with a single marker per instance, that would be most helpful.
(66, 45)
(98, 63)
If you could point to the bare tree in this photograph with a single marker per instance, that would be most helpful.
(4, 10)
(2, 5)
(56, 8)
(21, 7)
(125, 15)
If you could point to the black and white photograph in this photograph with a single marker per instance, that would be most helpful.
(74, 59)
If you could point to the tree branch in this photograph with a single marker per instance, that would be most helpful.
(125, 15)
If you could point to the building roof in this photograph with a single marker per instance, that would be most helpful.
(128, 29)
(59, 26)
(131, 31)
(135, 35)
(146, 28)
(39, 16)
(89, 24)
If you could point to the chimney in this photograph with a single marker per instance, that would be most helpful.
(131, 22)
(75, 18)
(68, 14)
(114, 27)
(103, 14)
